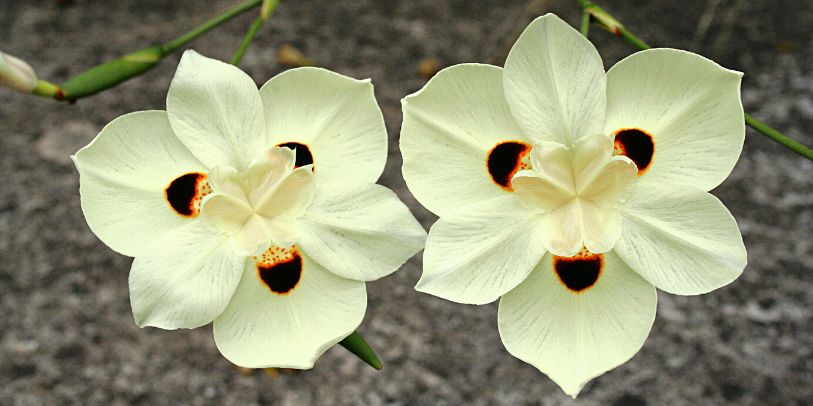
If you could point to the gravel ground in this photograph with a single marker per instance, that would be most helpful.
(67, 335)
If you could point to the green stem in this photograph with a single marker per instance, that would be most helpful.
(356, 345)
(611, 24)
(777, 136)
(252, 31)
(267, 9)
(190, 35)
(113, 73)
(632, 39)
(47, 89)
(585, 27)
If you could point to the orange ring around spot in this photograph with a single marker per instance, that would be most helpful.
(637, 145)
(185, 193)
(504, 160)
(280, 270)
(579, 272)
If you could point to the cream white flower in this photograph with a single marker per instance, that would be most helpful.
(257, 211)
(17, 75)
(573, 193)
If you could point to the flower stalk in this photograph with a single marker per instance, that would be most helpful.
(110, 74)
(608, 22)
(585, 24)
(267, 9)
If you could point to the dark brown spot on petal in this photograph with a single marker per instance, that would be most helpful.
(579, 272)
(637, 145)
(280, 269)
(303, 153)
(185, 193)
(504, 160)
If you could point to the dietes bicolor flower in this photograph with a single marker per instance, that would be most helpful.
(255, 210)
(573, 194)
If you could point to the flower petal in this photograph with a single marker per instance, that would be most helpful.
(481, 251)
(575, 335)
(290, 197)
(564, 229)
(124, 175)
(684, 241)
(554, 82)
(612, 184)
(359, 231)
(335, 117)
(215, 110)
(450, 128)
(185, 281)
(691, 108)
(539, 192)
(262, 328)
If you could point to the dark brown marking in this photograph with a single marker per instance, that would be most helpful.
(282, 277)
(303, 153)
(579, 272)
(504, 161)
(181, 193)
(636, 145)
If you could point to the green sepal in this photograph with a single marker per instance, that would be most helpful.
(110, 74)
(355, 344)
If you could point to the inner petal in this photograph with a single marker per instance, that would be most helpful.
(637, 145)
(505, 160)
(280, 269)
(303, 153)
(185, 193)
(259, 207)
(578, 189)
(580, 272)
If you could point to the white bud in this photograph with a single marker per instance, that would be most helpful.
(16, 74)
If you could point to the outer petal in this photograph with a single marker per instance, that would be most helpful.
(359, 231)
(683, 241)
(482, 251)
(335, 116)
(575, 337)
(185, 281)
(260, 328)
(124, 172)
(690, 105)
(216, 111)
(555, 82)
(449, 128)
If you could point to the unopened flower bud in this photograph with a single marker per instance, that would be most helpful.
(17, 75)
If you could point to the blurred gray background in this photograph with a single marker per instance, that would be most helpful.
(66, 332)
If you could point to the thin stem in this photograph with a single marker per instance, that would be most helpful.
(632, 39)
(252, 31)
(268, 8)
(190, 35)
(777, 136)
(608, 22)
(110, 74)
(585, 27)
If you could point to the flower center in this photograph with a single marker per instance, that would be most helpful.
(259, 207)
(577, 191)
